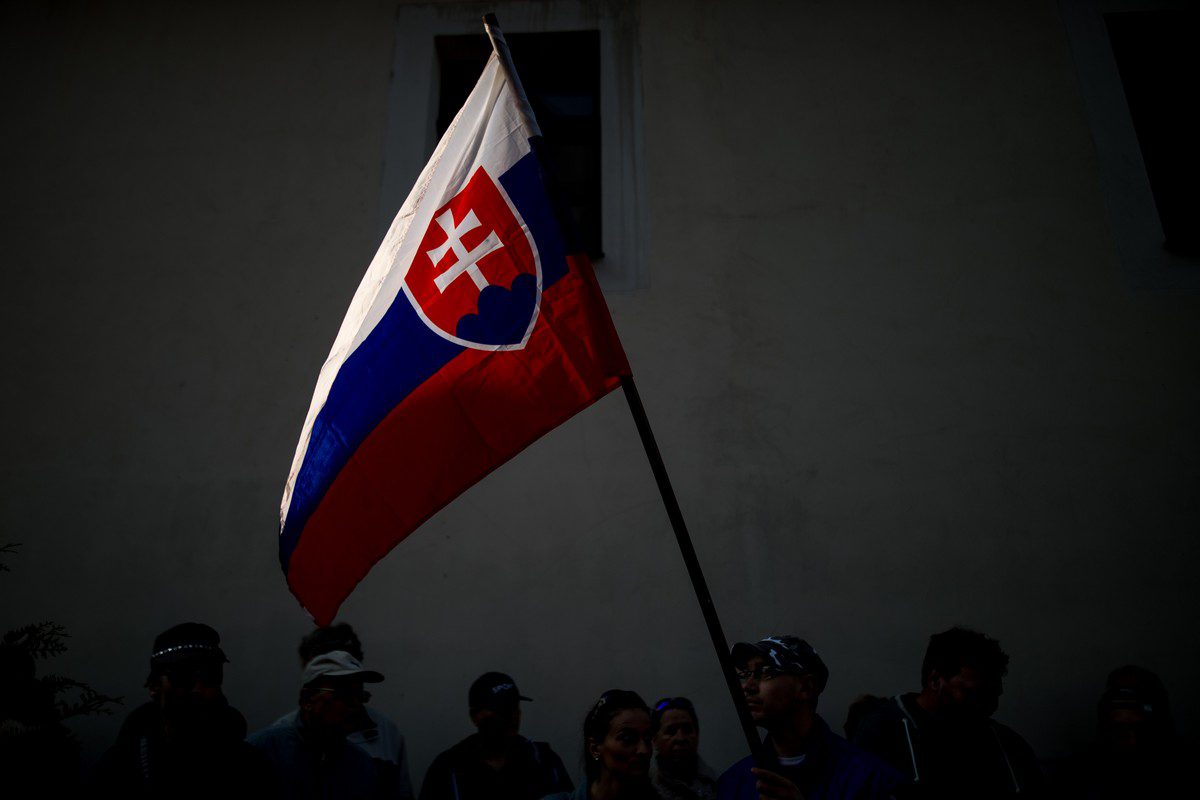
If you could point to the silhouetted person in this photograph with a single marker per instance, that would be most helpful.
(782, 678)
(370, 729)
(187, 742)
(310, 755)
(1136, 753)
(678, 772)
(38, 756)
(943, 737)
(616, 750)
(495, 762)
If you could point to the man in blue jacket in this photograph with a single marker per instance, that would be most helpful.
(310, 754)
(782, 678)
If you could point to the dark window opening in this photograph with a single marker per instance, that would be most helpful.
(561, 76)
(1155, 53)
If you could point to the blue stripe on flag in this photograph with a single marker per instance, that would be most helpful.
(523, 182)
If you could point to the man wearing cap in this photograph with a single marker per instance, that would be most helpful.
(496, 762)
(369, 728)
(310, 753)
(782, 678)
(187, 741)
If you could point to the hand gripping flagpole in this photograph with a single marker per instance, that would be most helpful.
(674, 514)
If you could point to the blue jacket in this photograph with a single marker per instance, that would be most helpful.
(306, 772)
(834, 769)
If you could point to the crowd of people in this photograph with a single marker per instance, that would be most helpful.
(939, 741)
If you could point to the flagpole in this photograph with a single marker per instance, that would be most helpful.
(674, 514)
(690, 559)
(492, 26)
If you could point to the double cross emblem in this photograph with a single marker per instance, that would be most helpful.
(468, 260)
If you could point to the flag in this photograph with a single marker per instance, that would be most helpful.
(475, 330)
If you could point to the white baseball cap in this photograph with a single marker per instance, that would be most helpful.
(337, 664)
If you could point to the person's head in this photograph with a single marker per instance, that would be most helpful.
(676, 731)
(494, 703)
(616, 738)
(1134, 716)
(781, 677)
(327, 639)
(963, 674)
(332, 695)
(187, 668)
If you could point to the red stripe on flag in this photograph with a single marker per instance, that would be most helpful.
(473, 415)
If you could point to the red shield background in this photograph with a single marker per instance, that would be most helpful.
(443, 310)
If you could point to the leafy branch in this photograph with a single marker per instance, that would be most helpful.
(39, 639)
(86, 700)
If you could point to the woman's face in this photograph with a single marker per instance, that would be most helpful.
(625, 750)
(678, 738)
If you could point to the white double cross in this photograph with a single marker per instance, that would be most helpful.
(468, 261)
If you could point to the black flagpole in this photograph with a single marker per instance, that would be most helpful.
(674, 514)
(707, 608)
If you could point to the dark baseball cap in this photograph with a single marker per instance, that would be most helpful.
(787, 653)
(493, 689)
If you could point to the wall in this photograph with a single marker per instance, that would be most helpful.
(892, 364)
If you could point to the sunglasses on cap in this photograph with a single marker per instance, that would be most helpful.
(671, 703)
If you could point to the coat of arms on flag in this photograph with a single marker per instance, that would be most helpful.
(476, 278)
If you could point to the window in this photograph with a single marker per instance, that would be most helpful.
(589, 110)
(1155, 56)
(560, 73)
(1121, 78)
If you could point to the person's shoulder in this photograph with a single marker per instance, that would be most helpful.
(869, 713)
(542, 750)
(733, 780)
(852, 759)
(462, 748)
(384, 723)
(877, 725)
(273, 735)
(869, 762)
(287, 719)
(450, 756)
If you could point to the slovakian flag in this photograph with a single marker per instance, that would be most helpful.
(476, 329)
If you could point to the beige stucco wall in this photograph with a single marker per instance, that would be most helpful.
(892, 364)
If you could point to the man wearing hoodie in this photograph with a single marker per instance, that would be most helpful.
(943, 737)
